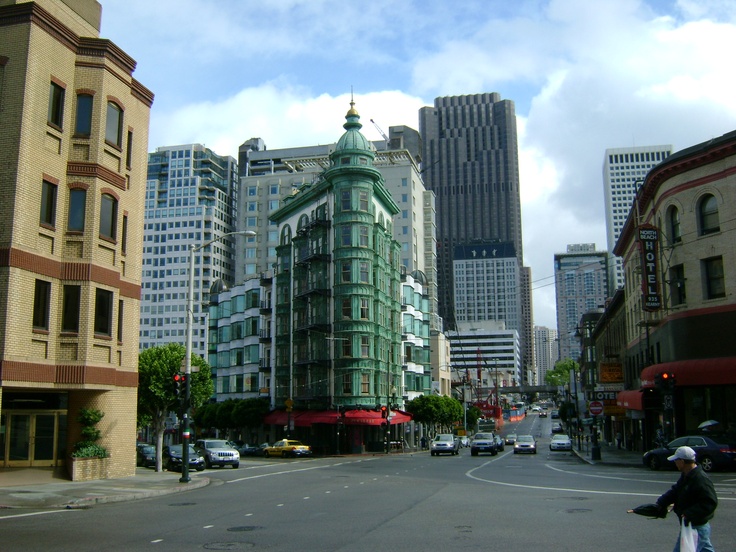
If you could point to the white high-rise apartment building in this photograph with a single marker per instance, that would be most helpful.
(624, 170)
(581, 285)
(546, 351)
(191, 198)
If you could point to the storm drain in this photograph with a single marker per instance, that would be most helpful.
(244, 528)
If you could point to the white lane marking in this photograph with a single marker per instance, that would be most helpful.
(208, 527)
(36, 514)
(157, 541)
(469, 474)
(284, 472)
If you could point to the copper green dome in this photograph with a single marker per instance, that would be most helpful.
(353, 140)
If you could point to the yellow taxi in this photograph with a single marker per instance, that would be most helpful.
(288, 448)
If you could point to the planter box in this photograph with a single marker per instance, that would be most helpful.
(88, 469)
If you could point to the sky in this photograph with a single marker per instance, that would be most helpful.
(584, 75)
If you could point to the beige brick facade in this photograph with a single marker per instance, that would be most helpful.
(49, 46)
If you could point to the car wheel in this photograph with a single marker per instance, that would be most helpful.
(431, 453)
(654, 463)
(235, 466)
(473, 453)
(494, 452)
(200, 468)
(516, 451)
(283, 454)
(265, 454)
(706, 462)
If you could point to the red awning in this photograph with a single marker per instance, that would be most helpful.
(373, 418)
(704, 371)
(311, 417)
(277, 417)
(631, 400)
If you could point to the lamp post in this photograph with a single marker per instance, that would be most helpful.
(188, 355)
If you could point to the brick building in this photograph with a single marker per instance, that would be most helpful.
(72, 177)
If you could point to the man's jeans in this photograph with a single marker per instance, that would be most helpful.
(704, 544)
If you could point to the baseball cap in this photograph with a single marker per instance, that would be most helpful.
(683, 453)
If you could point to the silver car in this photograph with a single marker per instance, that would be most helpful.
(217, 452)
(444, 443)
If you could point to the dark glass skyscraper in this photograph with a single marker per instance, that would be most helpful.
(470, 161)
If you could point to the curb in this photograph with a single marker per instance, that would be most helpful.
(81, 503)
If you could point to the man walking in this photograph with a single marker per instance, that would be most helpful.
(693, 496)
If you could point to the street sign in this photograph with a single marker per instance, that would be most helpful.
(595, 408)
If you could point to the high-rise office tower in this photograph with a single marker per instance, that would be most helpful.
(581, 285)
(73, 136)
(624, 170)
(470, 161)
(546, 351)
(191, 198)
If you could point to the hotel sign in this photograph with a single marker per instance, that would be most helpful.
(648, 240)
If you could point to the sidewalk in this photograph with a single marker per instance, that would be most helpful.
(610, 455)
(51, 488)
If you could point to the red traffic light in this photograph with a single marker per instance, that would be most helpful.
(178, 377)
(384, 412)
(665, 376)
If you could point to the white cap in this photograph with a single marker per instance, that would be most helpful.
(683, 453)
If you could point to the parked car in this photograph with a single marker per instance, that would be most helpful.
(560, 442)
(510, 438)
(252, 450)
(499, 443)
(287, 448)
(145, 455)
(444, 443)
(557, 427)
(710, 454)
(525, 444)
(171, 458)
(555, 414)
(217, 452)
(483, 442)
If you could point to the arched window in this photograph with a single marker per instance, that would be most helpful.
(108, 217)
(114, 125)
(77, 206)
(708, 212)
(673, 221)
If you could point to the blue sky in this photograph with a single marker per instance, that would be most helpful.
(585, 75)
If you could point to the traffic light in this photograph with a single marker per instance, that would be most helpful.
(665, 381)
(180, 383)
(384, 412)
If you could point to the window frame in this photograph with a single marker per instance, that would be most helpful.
(714, 278)
(83, 115)
(103, 314)
(114, 123)
(55, 115)
(77, 210)
(49, 196)
(108, 220)
(708, 218)
(41, 305)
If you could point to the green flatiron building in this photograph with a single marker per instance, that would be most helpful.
(337, 338)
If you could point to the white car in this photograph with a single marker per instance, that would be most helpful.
(560, 442)
(444, 443)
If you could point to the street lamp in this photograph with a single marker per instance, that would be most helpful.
(188, 358)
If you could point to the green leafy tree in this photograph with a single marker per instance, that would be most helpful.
(156, 398)
(249, 413)
(438, 412)
(560, 374)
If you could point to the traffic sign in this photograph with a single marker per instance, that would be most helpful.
(595, 408)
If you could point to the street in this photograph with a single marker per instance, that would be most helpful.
(407, 502)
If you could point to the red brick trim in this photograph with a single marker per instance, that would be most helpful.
(93, 170)
(65, 374)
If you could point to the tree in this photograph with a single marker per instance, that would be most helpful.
(435, 410)
(156, 397)
(560, 374)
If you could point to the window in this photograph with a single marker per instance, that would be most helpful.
(129, 150)
(56, 105)
(677, 285)
(77, 206)
(364, 272)
(365, 383)
(365, 346)
(83, 123)
(114, 124)
(108, 216)
(346, 236)
(41, 305)
(345, 201)
(713, 275)
(347, 383)
(347, 312)
(124, 240)
(70, 308)
(364, 310)
(347, 348)
(48, 204)
(674, 224)
(363, 197)
(346, 271)
(363, 236)
(120, 320)
(103, 312)
(708, 211)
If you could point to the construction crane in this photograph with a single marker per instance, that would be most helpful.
(383, 134)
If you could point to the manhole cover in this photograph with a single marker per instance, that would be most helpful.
(243, 528)
(183, 504)
(578, 510)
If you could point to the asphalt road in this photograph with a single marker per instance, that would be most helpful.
(549, 501)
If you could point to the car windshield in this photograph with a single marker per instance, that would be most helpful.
(293, 443)
(216, 444)
(560, 438)
(147, 449)
(483, 436)
(444, 438)
(176, 449)
(525, 439)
